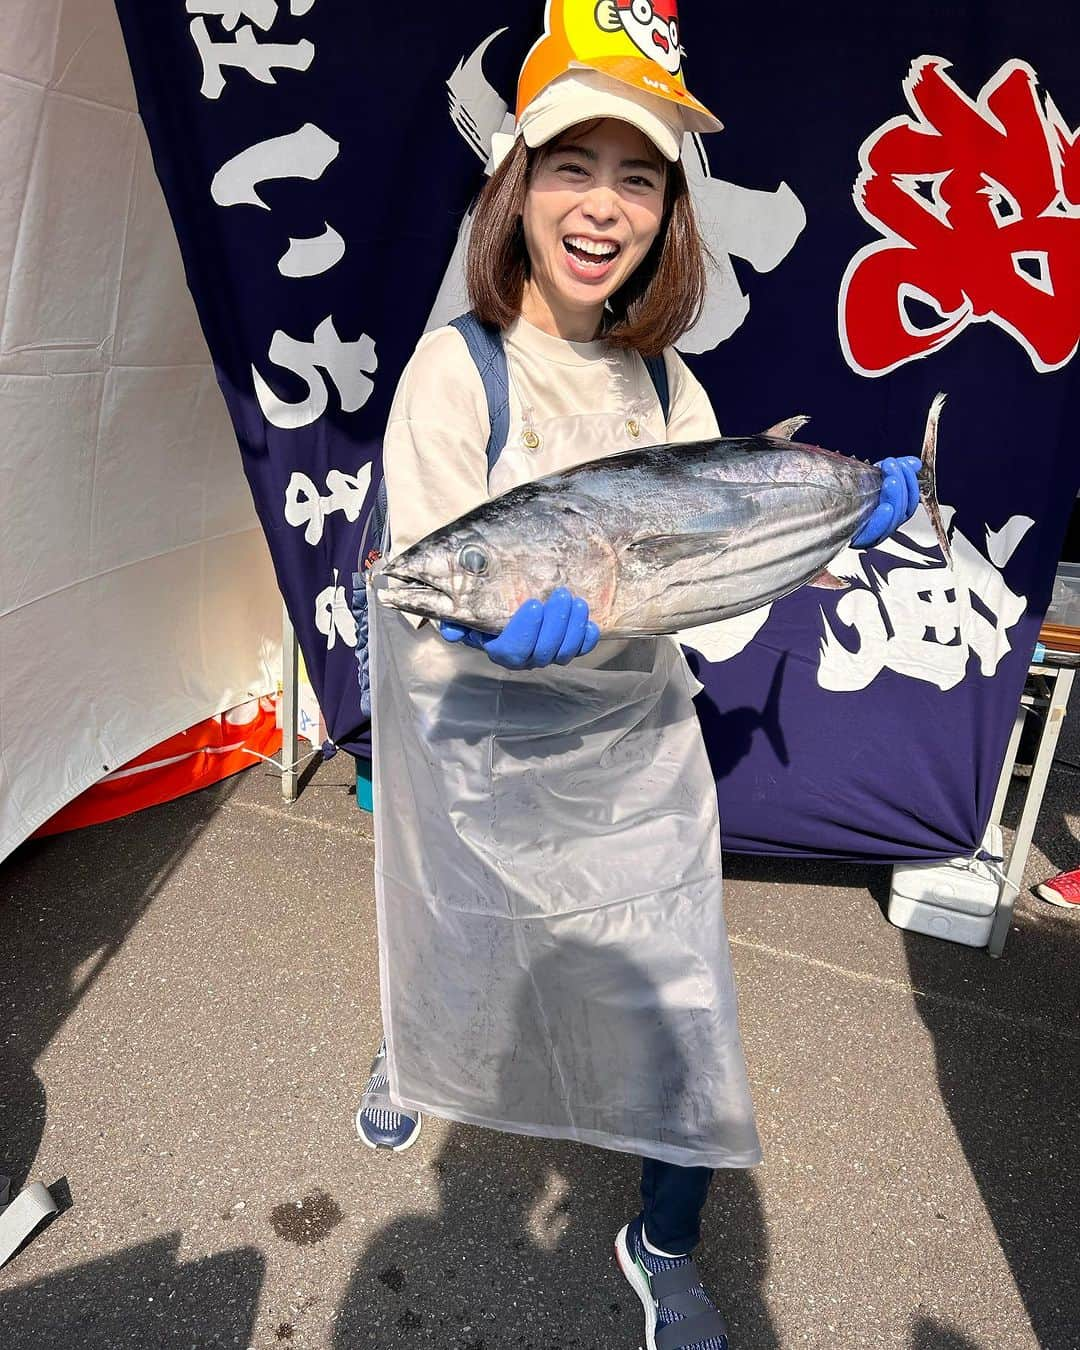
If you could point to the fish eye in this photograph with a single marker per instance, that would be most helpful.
(642, 10)
(473, 560)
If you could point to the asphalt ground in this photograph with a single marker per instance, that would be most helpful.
(188, 1009)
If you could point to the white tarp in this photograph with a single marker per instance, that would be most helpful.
(136, 592)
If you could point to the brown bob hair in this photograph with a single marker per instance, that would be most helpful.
(654, 307)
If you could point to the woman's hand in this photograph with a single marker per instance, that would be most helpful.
(541, 633)
(899, 498)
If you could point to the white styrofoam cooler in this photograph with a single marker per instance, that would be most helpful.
(1065, 601)
(954, 900)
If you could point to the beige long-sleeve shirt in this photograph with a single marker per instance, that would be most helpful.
(569, 402)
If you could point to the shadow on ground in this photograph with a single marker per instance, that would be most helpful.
(140, 1296)
(1010, 1088)
(1010, 1084)
(58, 941)
(932, 1335)
(1006, 1037)
(528, 1225)
(518, 1254)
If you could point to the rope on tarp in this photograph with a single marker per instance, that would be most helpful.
(289, 768)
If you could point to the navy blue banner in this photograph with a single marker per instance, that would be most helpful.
(894, 206)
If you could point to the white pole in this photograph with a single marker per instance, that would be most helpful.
(290, 707)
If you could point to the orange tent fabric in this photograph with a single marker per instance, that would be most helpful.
(203, 754)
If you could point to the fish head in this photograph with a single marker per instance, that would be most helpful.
(478, 571)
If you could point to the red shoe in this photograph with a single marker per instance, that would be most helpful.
(1063, 890)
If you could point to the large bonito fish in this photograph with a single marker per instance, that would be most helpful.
(656, 540)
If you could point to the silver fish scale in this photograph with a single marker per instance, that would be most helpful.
(711, 536)
(656, 540)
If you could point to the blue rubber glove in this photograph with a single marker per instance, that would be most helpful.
(897, 503)
(539, 634)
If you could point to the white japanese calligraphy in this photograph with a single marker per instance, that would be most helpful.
(310, 257)
(344, 362)
(259, 59)
(735, 221)
(302, 154)
(305, 153)
(345, 492)
(333, 618)
(924, 621)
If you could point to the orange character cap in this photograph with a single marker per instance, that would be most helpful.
(636, 42)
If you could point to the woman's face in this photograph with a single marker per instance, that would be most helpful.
(593, 209)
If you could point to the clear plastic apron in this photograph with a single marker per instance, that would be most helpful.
(552, 946)
(553, 954)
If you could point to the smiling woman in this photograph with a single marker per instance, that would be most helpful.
(512, 915)
(548, 874)
(551, 930)
(591, 235)
(592, 213)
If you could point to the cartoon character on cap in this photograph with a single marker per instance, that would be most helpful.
(651, 25)
(633, 41)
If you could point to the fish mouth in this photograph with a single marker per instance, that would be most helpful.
(417, 595)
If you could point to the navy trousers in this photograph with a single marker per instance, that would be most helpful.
(673, 1198)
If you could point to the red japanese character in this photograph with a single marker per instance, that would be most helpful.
(977, 203)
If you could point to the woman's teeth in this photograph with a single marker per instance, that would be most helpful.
(589, 250)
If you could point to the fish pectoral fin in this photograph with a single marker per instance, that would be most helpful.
(785, 431)
(825, 581)
(659, 549)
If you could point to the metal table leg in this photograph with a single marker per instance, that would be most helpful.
(1009, 765)
(290, 705)
(1061, 680)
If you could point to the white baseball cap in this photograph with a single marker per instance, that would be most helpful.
(585, 95)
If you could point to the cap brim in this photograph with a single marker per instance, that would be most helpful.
(544, 126)
(640, 76)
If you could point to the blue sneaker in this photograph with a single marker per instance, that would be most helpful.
(679, 1314)
(379, 1123)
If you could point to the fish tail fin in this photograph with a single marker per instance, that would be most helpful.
(928, 475)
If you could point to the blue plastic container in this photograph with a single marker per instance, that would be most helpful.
(365, 799)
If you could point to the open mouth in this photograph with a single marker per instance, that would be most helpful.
(591, 252)
(661, 41)
(405, 581)
(417, 595)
